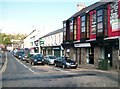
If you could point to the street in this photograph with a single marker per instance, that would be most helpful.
(21, 74)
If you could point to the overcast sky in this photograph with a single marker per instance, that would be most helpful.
(23, 16)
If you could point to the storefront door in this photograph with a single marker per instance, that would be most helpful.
(91, 55)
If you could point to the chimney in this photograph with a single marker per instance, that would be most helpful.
(80, 6)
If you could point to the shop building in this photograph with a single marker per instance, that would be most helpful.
(93, 33)
(50, 44)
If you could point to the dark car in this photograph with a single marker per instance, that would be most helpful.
(36, 59)
(65, 62)
(21, 55)
(49, 59)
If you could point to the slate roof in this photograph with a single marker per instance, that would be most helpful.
(89, 8)
(53, 32)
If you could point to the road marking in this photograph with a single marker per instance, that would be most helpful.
(5, 65)
(26, 66)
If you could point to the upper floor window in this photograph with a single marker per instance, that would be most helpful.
(99, 12)
(93, 23)
(64, 30)
(100, 22)
(71, 28)
(83, 26)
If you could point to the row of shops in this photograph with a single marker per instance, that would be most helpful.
(90, 35)
(93, 34)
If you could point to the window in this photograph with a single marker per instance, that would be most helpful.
(83, 18)
(99, 19)
(100, 25)
(75, 28)
(99, 13)
(100, 22)
(64, 30)
(93, 22)
(71, 28)
(83, 27)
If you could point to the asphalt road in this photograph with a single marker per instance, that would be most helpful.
(21, 74)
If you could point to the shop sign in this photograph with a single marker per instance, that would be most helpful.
(82, 45)
(114, 21)
(56, 48)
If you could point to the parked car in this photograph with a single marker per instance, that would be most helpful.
(49, 59)
(21, 55)
(65, 62)
(36, 59)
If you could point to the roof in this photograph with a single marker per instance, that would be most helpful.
(89, 8)
(53, 32)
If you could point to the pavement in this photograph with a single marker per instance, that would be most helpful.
(2, 59)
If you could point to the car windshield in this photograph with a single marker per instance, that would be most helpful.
(21, 52)
(69, 60)
(52, 57)
(39, 55)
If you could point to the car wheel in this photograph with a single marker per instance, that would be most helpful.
(43, 64)
(75, 67)
(63, 66)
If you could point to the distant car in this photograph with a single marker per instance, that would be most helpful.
(36, 59)
(65, 62)
(49, 59)
(21, 55)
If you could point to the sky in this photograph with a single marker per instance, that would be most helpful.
(23, 16)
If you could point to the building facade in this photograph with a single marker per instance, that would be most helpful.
(93, 33)
(50, 44)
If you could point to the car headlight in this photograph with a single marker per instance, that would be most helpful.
(19, 56)
(35, 60)
(67, 63)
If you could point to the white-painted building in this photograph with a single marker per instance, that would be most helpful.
(50, 44)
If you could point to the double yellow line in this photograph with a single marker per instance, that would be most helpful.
(4, 65)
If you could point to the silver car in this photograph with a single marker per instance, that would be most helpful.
(49, 59)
